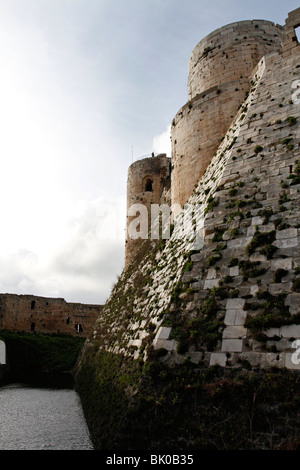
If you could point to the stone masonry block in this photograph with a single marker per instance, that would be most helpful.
(211, 283)
(162, 334)
(290, 331)
(286, 243)
(218, 359)
(234, 271)
(211, 274)
(234, 331)
(285, 263)
(235, 318)
(287, 233)
(230, 317)
(293, 301)
(232, 345)
(291, 361)
(235, 304)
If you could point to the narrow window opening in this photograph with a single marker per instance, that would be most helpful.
(32, 326)
(33, 305)
(297, 33)
(68, 320)
(291, 169)
(78, 328)
(148, 186)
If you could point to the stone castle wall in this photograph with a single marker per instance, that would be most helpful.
(220, 71)
(234, 298)
(230, 54)
(147, 183)
(226, 295)
(28, 313)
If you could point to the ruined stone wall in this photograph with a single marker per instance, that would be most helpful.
(46, 315)
(220, 70)
(148, 182)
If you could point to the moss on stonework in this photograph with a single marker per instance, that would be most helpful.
(260, 239)
(275, 313)
(150, 406)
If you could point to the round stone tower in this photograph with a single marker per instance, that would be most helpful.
(147, 183)
(220, 69)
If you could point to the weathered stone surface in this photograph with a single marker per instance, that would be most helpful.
(234, 332)
(290, 331)
(247, 209)
(291, 363)
(232, 345)
(219, 359)
(235, 317)
(46, 315)
(235, 304)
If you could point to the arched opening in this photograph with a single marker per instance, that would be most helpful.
(149, 185)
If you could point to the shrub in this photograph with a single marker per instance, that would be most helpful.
(233, 262)
(258, 149)
(291, 120)
(260, 239)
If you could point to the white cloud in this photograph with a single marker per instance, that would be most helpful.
(80, 265)
(162, 142)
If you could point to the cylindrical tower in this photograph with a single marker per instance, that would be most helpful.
(147, 180)
(219, 70)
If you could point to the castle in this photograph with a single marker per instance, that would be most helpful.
(235, 151)
(223, 299)
(220, 73)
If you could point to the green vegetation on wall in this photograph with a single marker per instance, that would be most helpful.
(131, 405)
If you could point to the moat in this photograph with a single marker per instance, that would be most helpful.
(33, 418)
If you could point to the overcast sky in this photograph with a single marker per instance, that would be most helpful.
(88, 86)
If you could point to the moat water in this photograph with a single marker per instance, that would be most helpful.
(42, 419)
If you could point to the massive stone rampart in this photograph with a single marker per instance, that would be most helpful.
(221, 296)
(198, 302)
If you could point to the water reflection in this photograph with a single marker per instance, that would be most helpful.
(41, 419)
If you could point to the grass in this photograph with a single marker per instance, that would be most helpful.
(38, 353)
